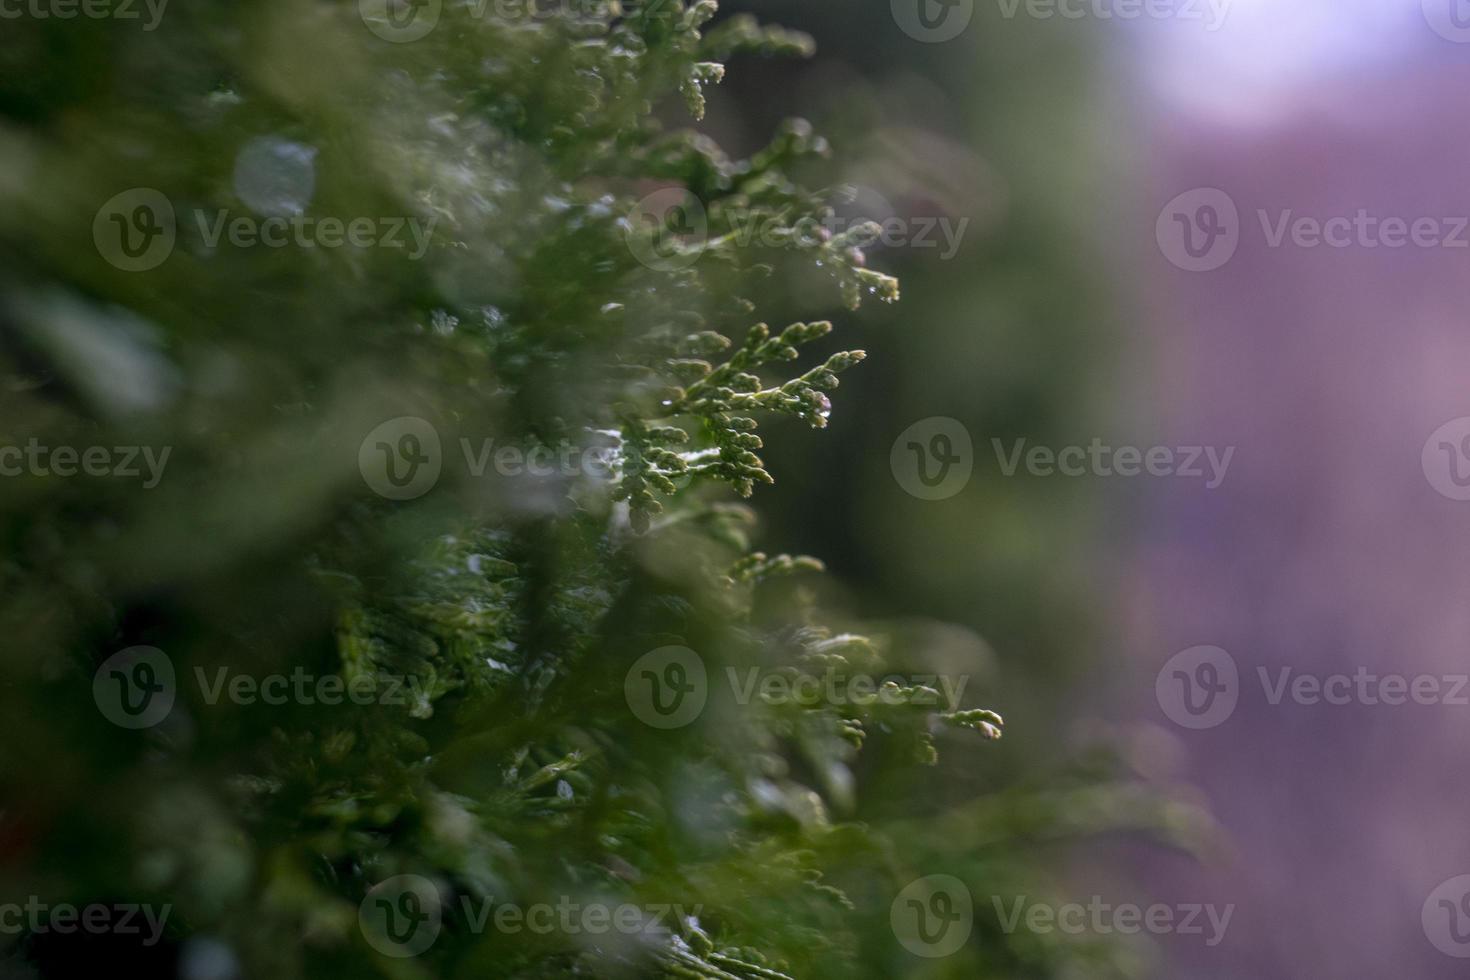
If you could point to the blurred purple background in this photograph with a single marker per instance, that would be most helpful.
(1326, 549)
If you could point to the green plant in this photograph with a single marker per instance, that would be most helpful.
(510, 768)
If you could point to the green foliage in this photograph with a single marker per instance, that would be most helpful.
(512, 769)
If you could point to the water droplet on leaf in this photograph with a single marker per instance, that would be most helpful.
(275, 177)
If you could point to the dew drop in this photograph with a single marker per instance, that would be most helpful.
(204, 958)
(492, 317)
(275, 177)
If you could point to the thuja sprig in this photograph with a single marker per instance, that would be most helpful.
(757, 566)
(732, 388)
(986, 722)
(675, 27)
(848, 265)
(894, 706)
(695, 956)
(724, 395)
(743, 34)
(723, 399)
(701, 74)
(648, 466)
